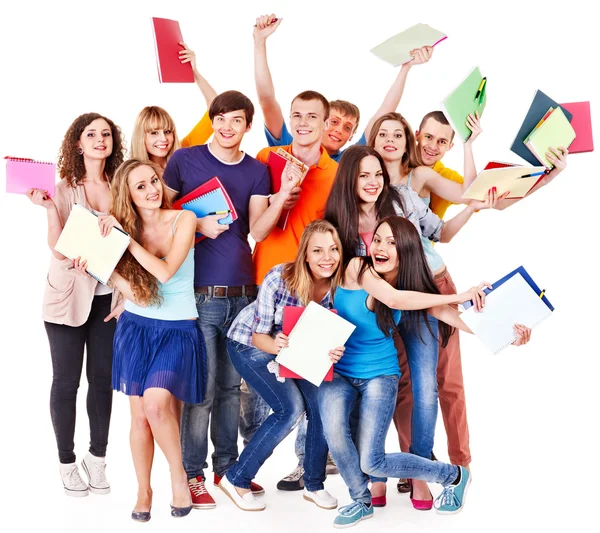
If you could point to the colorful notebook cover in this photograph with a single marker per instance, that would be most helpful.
(291, 314)
(396, 49)
(23, 174)
(538, 108)
(554, 131)
(470, 96)
(517, 180)
(582, 124)
(81, 237)
(210, 197)
(167, 36)
(499, 164)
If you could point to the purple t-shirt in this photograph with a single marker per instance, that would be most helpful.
(226, 260)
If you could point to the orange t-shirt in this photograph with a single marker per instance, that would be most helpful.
(199, 134)
(281, 246)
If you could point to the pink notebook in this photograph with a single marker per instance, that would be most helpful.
(582, 124)
(24, 174)
(167, 37)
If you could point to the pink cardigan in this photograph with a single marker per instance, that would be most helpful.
(68, 295)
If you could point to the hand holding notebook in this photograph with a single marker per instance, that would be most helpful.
(518, 180)
(397, 49)
(24, 174)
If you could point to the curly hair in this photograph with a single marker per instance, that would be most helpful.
(70, 163)
(143, 284)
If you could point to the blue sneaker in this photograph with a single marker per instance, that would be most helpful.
(352, 514)
(452, 498)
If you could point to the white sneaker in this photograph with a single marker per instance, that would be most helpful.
(95, 469)
(247, 502)
(322, 498)
(72, 482)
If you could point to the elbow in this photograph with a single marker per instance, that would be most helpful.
(164, 277)
(258, 236)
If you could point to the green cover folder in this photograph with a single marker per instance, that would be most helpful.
(464, 101)
(555, 131)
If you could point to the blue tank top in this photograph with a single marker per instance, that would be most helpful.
(369, 353)
(179, 300)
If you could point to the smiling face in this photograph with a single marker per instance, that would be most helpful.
(339, 131)
(307, 121)
(145, 188)
(96, 141)
(434, 140)
(158, 142)
(384, 253)
(230, 128)
(390, 141)
(322, 255)
(369, 183)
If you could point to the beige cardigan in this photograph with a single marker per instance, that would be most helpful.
(68, 295)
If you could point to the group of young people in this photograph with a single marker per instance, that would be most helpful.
(190, 331)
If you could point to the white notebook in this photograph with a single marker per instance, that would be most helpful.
(81, 237)
(317, 332)
(513, 302)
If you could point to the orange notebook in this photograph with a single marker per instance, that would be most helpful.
(291, 314)
(167, 37)
(582, 124)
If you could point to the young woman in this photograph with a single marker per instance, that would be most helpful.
(255, 338)
(154, 135)
(158, 349)
(359, 198)
(77, 310)
(374, 293)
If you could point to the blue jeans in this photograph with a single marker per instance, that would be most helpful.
(254, 411)
(289, 400)
(222, 397)
(422, 355)
(377, 398)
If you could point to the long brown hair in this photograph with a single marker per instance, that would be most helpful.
(70, 162)
(143, 284)
(297, 275)
(414, 274)
(342, 208)
(411, 158)
(151, 118)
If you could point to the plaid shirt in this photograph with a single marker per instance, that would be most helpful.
(265, 314)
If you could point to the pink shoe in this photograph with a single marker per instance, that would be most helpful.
(420, 505)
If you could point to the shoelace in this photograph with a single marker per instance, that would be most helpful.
(98, 472)
(198, 488)
(75, 478)
(295, 475)
(447, 497)
(349, 510)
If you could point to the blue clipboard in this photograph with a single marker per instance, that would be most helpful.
(521, 270)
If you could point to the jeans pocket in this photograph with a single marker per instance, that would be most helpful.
(202, 299)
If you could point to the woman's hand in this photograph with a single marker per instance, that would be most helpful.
(475, 294)
(558, 157)
(523, 335)
(336, 354)
(281, 341)
(39, 197)
(187, 55)
(490, 201)
(106, 223)
(79, 265)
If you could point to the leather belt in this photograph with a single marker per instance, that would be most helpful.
(224, 291)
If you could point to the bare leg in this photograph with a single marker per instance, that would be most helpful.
(142, 451)
(421, 490)
(165, 428)
(176, 406)
(378, 489)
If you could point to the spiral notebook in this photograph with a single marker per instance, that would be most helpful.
(513, 299)
(23, 174)
(209, 198)
(81, 237)
(167, 37)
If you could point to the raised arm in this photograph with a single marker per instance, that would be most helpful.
(470, 171)
(188, 56)
(394, 95)
(265, 89)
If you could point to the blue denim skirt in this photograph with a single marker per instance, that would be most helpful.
(166, 354)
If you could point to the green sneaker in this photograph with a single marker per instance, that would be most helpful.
(452, 498)
(352, 514)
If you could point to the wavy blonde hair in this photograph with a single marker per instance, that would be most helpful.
(151, 118)
(297, 275)
(143, 284)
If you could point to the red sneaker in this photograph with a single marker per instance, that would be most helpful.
(254, 487)
(201, 499)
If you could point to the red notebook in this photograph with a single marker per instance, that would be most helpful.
(167, 37)
(499, 164)
(291, 314)
(582, 124)
(209, 198)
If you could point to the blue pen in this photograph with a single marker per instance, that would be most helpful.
(532, 175)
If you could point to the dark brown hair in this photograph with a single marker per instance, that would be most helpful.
(306, 96)
(70, 163)
(231, 101)
(439, 117)
(346, 108)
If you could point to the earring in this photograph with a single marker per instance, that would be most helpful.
(80, 150)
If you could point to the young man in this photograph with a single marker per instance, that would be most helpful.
(223, 278)
(343, 116)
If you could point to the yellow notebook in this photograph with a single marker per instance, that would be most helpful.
(81, 237)
(504, 179)
(555, 131)
(396, 49)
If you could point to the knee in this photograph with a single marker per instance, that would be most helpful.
(139, 422)
(64, 386)
(425, 389)
(155, 412)
(371, 465)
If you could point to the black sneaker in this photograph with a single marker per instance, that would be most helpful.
(293, 481)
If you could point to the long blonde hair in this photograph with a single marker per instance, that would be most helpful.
(151, 118)
(297, 275)
(143, 284)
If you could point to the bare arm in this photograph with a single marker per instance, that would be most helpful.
(188, 56)
(265, 342)
(55, 227)
(265, 89)
(470, 171)
(450, 316)
(123, 286)
(431, 181)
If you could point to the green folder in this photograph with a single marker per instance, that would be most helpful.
(461, 103)
(555, 131)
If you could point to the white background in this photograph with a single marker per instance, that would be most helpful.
(533, 424)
